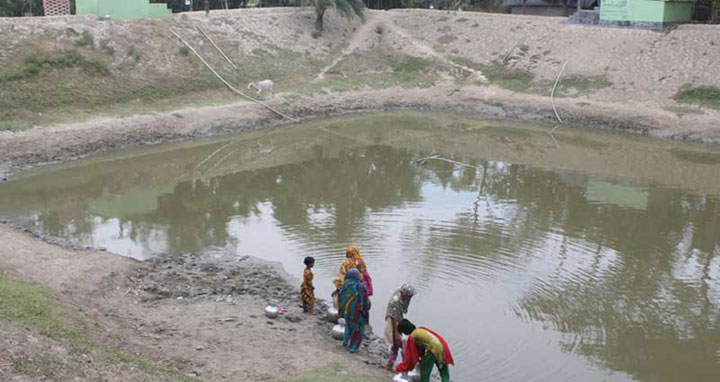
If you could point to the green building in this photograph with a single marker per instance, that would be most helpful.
(122, 9)
(654, 14)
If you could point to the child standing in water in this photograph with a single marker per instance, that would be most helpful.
(307, 290)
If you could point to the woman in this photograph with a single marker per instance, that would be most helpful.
(353, 259)
(348, 264)
(396, 309)
(427, 348)
(355, 308)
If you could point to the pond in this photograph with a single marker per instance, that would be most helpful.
(585, 256)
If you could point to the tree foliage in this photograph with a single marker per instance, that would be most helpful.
(346, 8)
(14, 8)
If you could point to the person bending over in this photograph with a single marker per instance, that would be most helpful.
(427, 348)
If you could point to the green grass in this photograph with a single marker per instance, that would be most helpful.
(523, 81)
(59, 90)
(43, 366)
(35, 308)
(334, 373)
(579, 85)
(39, 62)
(703, 96)
(411, 64)
(38, 311)
(367, 81)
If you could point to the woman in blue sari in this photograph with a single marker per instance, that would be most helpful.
(355, 308)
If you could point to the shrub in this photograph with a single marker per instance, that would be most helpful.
(37, 62)
(132, 52)
(86, 39)
(700, 95)
(105, 45)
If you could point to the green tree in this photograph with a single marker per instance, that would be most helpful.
(16, 8)
(346, 8)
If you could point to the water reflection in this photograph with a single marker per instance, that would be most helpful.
(536, 263)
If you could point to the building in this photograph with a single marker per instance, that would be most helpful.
(56, 7)
(122, 9)
(653, 14)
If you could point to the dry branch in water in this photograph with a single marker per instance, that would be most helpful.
(552, 93)
(424, 160)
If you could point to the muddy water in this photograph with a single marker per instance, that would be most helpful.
(594, 257)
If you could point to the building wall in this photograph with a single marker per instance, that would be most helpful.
(56, 7)
(122, 9)
(650, 11)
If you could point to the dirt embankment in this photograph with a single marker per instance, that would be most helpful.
(134, 84)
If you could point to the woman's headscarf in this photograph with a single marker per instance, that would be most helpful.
(354, 253)
(353, 274)
(400, 302)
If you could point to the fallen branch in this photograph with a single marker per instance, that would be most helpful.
(552, 93)
(227, 83)
(202, 32)
(552, 135)
(437, 157)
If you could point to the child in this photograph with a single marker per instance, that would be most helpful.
(307, 290)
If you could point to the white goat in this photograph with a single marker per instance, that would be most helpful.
(262, 86)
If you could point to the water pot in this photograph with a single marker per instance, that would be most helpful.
(338, 331)
(332, 315)
(272, 311)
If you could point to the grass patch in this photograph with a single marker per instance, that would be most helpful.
(38, 62)
(367, 81)
(334, 373)
(511, 79)
(37, 310)
(578, 85)
(44, 366)
(70, 95)
(18, 127)
(524, 81)
(703, 96)
(411, 64)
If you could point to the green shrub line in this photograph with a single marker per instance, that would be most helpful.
(40, 61)
(704, 96)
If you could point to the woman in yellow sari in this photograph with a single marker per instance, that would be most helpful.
(353, 259)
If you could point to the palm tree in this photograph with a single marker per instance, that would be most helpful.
(346, 8)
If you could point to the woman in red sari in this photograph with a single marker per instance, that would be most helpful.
(427, 348)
